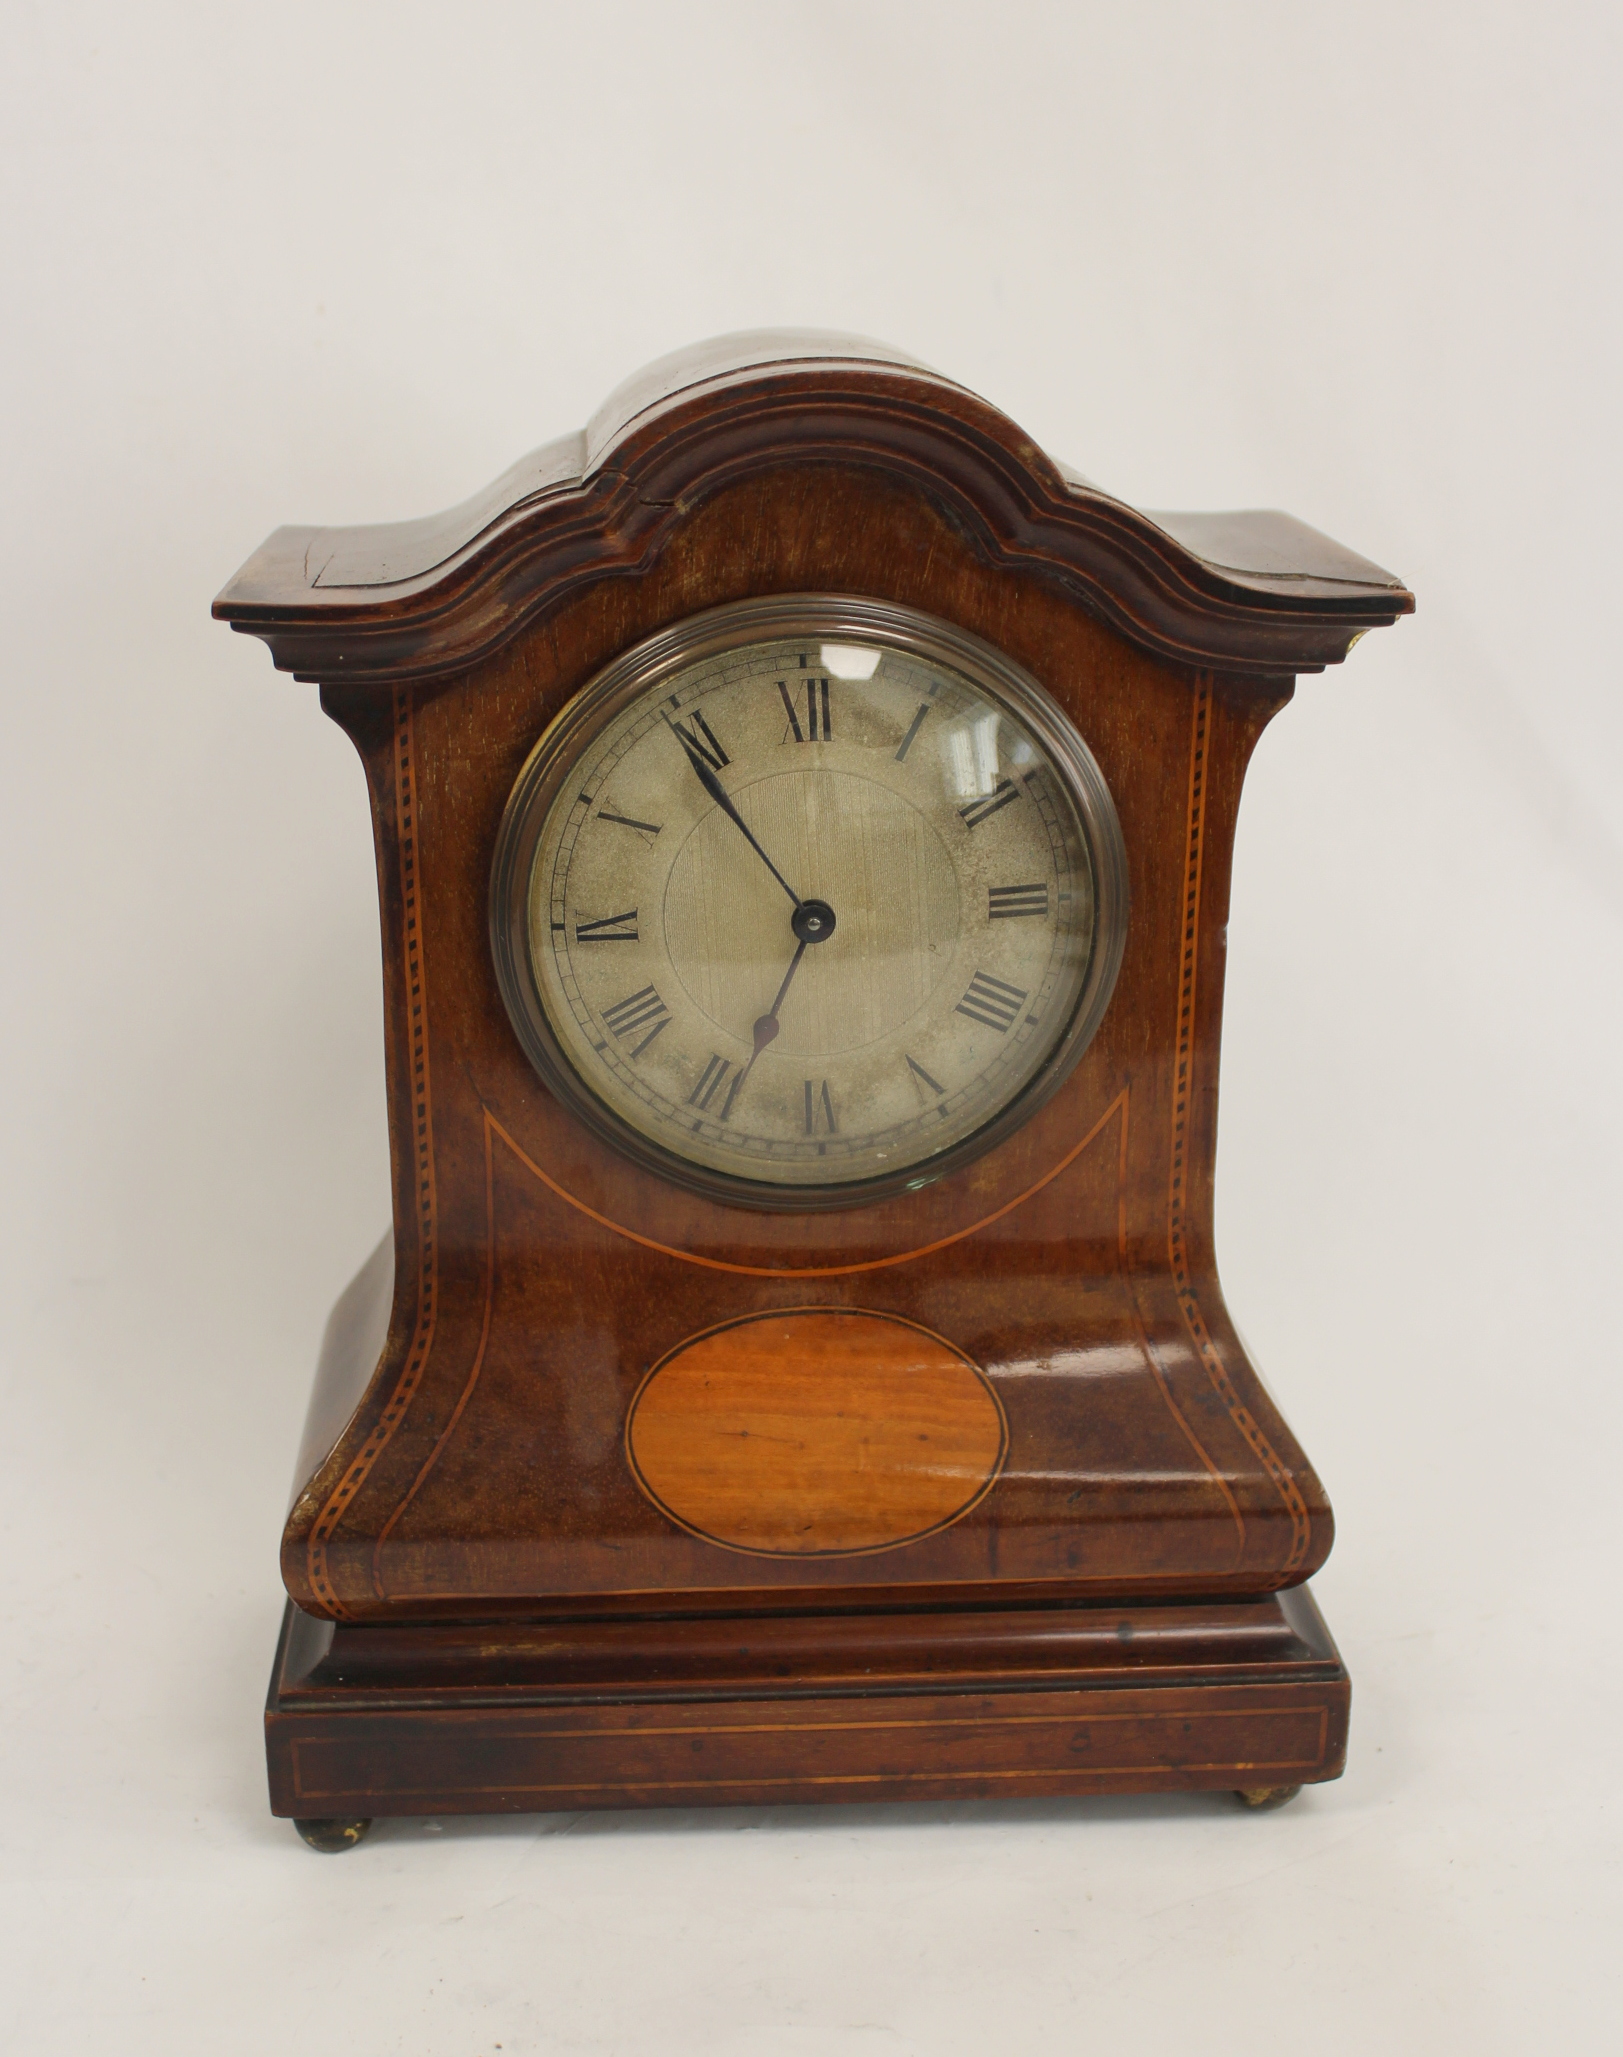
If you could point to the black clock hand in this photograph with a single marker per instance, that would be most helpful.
(713, 786)
(766, 1030)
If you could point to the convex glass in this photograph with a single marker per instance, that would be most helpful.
(808, 895)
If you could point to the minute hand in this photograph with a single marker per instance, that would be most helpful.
(713, 786)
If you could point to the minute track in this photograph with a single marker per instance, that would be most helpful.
(837, 851)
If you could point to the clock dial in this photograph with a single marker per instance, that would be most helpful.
(808, 903)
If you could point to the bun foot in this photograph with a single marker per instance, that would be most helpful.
(1260, 1797)
(334, 1833)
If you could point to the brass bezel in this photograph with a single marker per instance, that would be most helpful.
(830, 617)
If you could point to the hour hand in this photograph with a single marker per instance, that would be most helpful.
(766, 1029)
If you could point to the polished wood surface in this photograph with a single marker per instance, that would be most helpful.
(524, 1417)
(374, 1721)
(424, 599)
(539, 1275)
(813, 1432)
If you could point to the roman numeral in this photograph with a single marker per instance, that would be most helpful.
(647, 828)
(913, 728)
(700, 740)
(921, 1079)
(820, 1099)
(710, 1082)
(992, 1001)
(638, 1011)
(810, 734)
(1009, 903)
(982, 810)
(608, 928)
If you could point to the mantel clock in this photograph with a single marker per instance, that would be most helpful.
(797, 1368)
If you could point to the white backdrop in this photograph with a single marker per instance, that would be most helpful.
(343, 263)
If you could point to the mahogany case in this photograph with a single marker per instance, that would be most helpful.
(495, 1604)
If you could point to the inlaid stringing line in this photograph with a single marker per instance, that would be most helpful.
(1124, 1269)
(472, 1380)
(422, 1120)
(1177, 1241)
(810, 1271)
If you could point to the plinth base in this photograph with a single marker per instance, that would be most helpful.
(529, 1717)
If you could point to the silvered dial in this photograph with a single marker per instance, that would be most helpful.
(803, 905)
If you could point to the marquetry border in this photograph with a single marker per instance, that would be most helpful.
(1189, 1306)
(421, 1125)
(494, 1132)
(1154, 1749)
(478, 1365)
(421, 1130)
(806, 1271)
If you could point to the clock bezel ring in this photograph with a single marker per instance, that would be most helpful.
(830, 617)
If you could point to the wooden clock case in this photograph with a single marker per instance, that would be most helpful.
(492, 1605)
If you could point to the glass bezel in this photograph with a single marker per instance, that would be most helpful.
(832, 618)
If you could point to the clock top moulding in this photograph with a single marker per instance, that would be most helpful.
(1255, 594)
(465, 1454)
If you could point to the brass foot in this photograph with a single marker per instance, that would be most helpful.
(331, 1834)
(1259, 1797)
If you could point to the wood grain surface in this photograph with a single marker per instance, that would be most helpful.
(1002, 1704)
(1048, 1318)
(427, 599)
(815, 1433)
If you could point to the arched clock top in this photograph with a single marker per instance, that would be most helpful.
(1252, 594)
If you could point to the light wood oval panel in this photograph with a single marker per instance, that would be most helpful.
(815, 1431)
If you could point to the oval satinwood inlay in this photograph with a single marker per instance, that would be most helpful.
(815, 1431)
